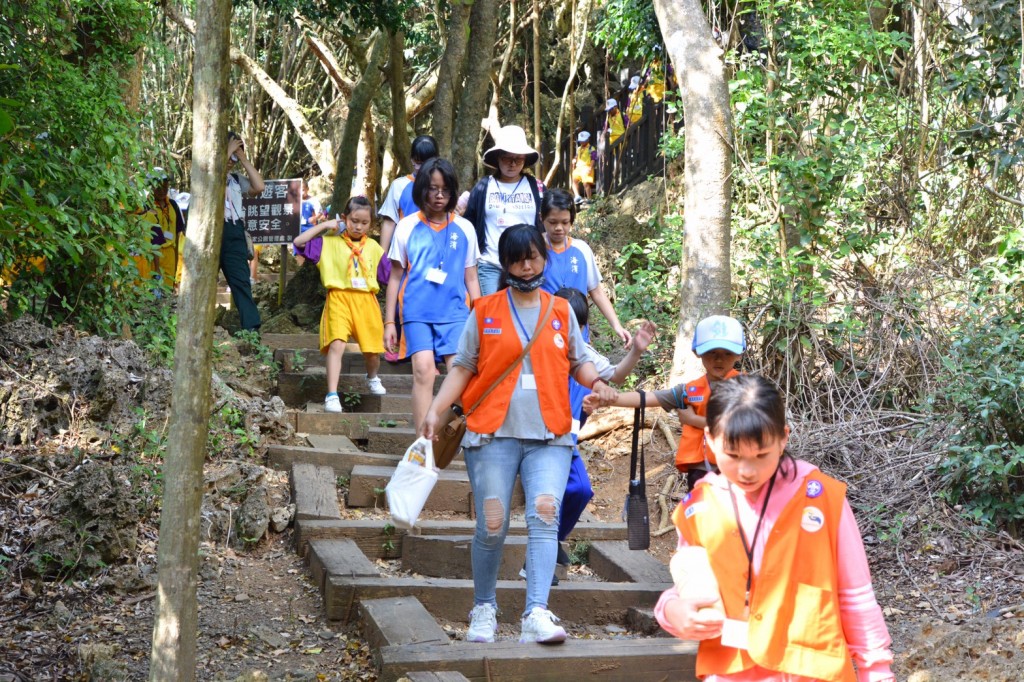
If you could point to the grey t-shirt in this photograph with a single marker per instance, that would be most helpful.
(523, 419)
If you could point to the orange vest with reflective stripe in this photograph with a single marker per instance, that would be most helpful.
(692, 449)
(795, 625)
(500, 346)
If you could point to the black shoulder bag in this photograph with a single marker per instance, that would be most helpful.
(638, 523)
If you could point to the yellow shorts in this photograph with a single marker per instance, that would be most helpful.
(584, 174)
(352, 313)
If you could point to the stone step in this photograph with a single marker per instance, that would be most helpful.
(451, 492)
(355, 425)
(283, 456)
(448, 556)
(310, 385)
(636, 660)
(379, 539)
(578, 602)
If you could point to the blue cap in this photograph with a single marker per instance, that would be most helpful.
(719, 331)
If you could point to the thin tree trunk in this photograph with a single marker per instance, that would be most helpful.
(399, 119)
(578, 42)
(538, 142)
(493, 114)
(450, 74)
(358, 108)
(698, 63)
(173, 655)
(483, 33)
(326, 56)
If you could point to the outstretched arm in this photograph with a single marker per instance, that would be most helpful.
(644, 337)
(605, 306)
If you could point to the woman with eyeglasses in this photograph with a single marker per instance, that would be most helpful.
(433, 268)
(509, 196)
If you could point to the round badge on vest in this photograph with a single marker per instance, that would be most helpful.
(559, 341)
(813, 520)
(814, 489)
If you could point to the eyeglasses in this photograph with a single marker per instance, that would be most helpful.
(512, 159)
(439, 191)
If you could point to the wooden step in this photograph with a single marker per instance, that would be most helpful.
(616, 562)
(355, 425)
(311, 396)
(352, 361)
(580, 602)
(384, 439)
(636, 660)
(379, 539)
(310, 385)
(399, 621)
(292, 341)
(341, 557)
(439, 676)
(452, 491)
(315, 492)
(283, 456)
(448, 556)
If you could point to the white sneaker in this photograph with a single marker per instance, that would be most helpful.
(540, 627)
(483, 621)
(375, 386)
(332, 404)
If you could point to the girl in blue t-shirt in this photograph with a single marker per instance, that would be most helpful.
(570, 261)
(433, 278)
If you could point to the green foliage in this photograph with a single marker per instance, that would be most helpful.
(351, 398)
(628, 29)
(579, 552)
(365, 15)
(68, 163)
(983, 397)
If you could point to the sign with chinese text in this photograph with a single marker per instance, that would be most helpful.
(274, 216)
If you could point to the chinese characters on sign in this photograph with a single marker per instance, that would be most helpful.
(274, 216)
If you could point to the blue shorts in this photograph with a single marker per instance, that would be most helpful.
(442, 339)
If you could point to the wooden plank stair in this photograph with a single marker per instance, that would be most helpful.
(400, 615)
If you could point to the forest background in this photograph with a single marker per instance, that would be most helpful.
(875, 244)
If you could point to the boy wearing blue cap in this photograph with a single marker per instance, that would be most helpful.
(719, 342)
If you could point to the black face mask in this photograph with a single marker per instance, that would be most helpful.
(525, 286)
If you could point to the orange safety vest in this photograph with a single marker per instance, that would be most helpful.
(500, 346)
(795, 625)
(692, 449)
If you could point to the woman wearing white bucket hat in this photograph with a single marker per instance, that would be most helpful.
(510, 196)
(583, 167)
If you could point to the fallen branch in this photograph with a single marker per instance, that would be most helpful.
(665, 524)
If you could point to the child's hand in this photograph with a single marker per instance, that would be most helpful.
(463, 202)
(693, 619)
(644, 336)
(391, 337)
(595, 400)
(627, 338)
(429, 424)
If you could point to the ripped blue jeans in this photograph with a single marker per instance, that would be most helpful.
(544, 471)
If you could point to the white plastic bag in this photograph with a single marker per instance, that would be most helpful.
(410, 485)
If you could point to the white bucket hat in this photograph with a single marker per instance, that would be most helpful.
(634, 82)
(584, 136)
(611, 104)
(511, 140)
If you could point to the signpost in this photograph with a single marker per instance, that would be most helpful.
(274, 218)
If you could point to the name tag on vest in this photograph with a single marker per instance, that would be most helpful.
(735, 634)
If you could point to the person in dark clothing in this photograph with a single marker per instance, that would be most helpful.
(234, 253)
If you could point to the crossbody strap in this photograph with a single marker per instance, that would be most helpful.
(526, 349)
(637, 450)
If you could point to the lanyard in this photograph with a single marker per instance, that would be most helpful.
(444, 240)
(506, 197)
(749, 550)
(515, 314)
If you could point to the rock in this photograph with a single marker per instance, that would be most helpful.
(281, 518)
(62, 613)
(241, 597)
(307, 315)
(280, 323)
(269, 637)
(254, 515)
(98, 662)
(614, 629)
(253, 676)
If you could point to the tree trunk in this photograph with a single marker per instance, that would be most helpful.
(493, 121)
(698, 63)
(450, 74)
(173, 655)
(577, 43)
(538, 142)
(483, 31)
(399, 119)
(358, 107)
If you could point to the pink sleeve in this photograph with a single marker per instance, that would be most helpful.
(667, 596)
(866, 634)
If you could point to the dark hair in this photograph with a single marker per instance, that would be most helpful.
(514, 246)
(357, 202)
(232, 135)
(423, 148)
(578, 302)
(422, 182)
(558, 200)
(747, 408)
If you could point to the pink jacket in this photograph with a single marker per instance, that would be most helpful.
(866, 634)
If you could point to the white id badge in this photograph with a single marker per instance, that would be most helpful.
(735, 634)
(358, 282)
(436, 275)
(529, 382)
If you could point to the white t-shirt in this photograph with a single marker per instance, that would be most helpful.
(507, 204)
(391, 208)
(233, 191)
